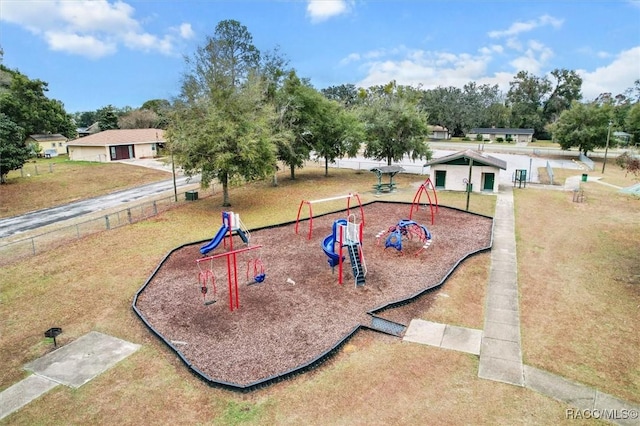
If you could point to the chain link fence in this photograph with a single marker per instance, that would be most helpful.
(30, 246)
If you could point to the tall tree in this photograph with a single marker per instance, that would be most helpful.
(223, 125)
(632, 123)
(107, 118)
(26, 104)
(584, 126)
(565, 86)
(394, 125)
(138, 119)
(526, 97)
(338, 132)
(346, 94)
(13, 151)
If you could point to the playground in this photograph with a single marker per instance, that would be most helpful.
(241, 331)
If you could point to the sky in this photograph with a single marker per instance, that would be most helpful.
(124, 52)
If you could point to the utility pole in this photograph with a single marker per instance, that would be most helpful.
(604, 163)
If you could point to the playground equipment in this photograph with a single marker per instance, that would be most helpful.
(424, 189)
(348, 197)
(232, 274)
(405, 229)
(230, 223)
(347, 233)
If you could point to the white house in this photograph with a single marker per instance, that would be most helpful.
(451, 172)
(49, 142)
(119, 144)
(493, 133)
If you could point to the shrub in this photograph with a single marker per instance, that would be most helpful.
(466, 138)
(479, 138)
(500, 140)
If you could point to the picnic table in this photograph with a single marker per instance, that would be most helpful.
(391, 171)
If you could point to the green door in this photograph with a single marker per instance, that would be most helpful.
(489, 179)
(441, 176)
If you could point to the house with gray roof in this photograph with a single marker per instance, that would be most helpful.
(451, 172)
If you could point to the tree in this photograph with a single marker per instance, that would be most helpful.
(346, 94)
(566, 88)
(584, 126)
(25, 103)
(445, 107)
(138, 119)
(629, 164)
(13, 151)
(525, 98)
(394, 125)
(223, 123)
(632, 122)
(107, 118)
(338, 132)
(298, 106)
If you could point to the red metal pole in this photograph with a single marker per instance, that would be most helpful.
(298, 217)
(340, 257)
(310, 220)
(235, 276)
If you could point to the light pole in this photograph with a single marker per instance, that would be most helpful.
(604, 163)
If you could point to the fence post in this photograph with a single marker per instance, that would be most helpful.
(50, 167)
(155, 208)
(21, 172)
(106, 219)
(129, 215)
(37, 170)
(33, 246)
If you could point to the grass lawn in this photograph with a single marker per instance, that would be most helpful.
(568, 326)
(51, 182)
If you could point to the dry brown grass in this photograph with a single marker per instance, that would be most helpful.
(70, 181)
(579, 272)
(89, 285)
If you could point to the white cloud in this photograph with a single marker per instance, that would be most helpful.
(321, 10)
(615, 77)
(429, 69)
(523, 27)
(89, 28)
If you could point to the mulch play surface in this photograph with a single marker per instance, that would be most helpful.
(281, 326)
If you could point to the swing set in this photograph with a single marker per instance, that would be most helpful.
(206, 277)
(424, 189)
(348, 197)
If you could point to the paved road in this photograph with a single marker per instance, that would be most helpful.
(32, 220)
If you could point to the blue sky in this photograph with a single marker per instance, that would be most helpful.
(123, 53)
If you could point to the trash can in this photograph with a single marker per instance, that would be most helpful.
(191, 195)
(585, 177)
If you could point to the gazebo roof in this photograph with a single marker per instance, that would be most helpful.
(477, 157)
(388, 169)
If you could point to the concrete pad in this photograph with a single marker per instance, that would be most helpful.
(561, 389)
(425, 332)
(501, 370)
(23, 392)
(462, 339)
(614, 409)
(83, 359)
(500, 349)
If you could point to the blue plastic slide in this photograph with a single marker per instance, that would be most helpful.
(327, 247)
(216, 240)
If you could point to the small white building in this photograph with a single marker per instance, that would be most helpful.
(49, 143)
(451, 172)
(439, 132)
(118, 144)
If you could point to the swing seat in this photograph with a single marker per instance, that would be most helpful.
(209, 302)
(259, 278)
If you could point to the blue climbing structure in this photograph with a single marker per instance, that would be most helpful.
(346, 233)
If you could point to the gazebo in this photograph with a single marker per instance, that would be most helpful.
(386, 170)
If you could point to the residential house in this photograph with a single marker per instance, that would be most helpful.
(86, 131)
(451, 172)
(492, 134)
(439, 132)
(51, 144)
(118, 144)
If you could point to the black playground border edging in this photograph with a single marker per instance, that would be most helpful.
(320, 359)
